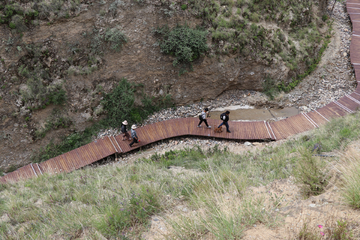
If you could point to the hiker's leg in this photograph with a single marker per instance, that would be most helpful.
(205, 121)
(227, 126)
(127, 135)
(133, 141)
(201, 120)
(221, 124)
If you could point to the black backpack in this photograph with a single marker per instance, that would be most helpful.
(222, 116)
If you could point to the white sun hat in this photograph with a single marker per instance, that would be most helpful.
(133, 126)
(125, 122)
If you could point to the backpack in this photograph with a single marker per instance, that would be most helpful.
(200, 116)
(222, 116)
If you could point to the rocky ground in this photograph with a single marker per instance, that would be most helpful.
(333, 78)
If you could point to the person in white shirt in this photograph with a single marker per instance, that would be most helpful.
(202, 117)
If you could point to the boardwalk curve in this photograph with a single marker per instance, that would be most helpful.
(252, 130)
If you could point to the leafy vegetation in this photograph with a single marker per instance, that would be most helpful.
(118, 105)
(183, 42)
(20, 17)
(184, 7)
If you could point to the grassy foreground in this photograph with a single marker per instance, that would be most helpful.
(117, 202)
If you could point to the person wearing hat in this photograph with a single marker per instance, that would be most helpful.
(133, 135)
(225, 118)
(202, 117)
(126, 135)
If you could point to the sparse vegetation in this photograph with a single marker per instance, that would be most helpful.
(184, 43)
(20, 17)
(41, 96)
(234, 25)
(215, 188)
(311, 173)
(55, 121)
(118, 105)
(113, 36)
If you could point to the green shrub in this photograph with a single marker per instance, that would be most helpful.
(12, 25)
(325, 17)
(184, 43)
(23, 71)
(119, 103)
(58, 97)
(115, 37)
(269, 88)
(17, 22)
(184, 7)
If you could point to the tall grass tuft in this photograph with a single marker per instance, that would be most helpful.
(310, 172)
(221, 209)
(351, 179)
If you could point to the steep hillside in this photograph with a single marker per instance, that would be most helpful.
(59, 58)
(277, 190)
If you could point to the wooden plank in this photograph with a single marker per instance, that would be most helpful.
(70, 161)
(317, 118)
(280, 129)
(349, 103)
(331, 111)
(86, 156)
(355, 50)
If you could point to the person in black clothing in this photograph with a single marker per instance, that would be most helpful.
(225, 118)
(126, 135)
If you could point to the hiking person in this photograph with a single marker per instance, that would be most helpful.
(202, 117)
(133, 135)
(225, 118)
(126, 135)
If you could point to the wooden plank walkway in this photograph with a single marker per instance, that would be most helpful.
(251, 130)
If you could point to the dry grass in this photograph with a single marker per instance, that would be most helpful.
(312, 225)
(120, 200)
(350, 169)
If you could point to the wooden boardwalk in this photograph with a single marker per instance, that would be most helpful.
(253, 130)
